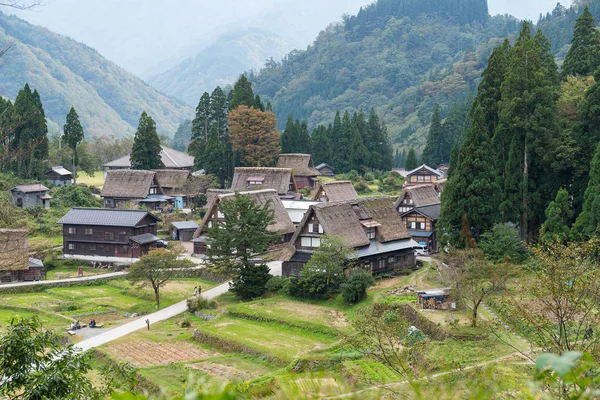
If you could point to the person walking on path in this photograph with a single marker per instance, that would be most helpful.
(148, 323)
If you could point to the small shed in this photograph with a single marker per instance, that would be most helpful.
(435, 299)
(59, 176)
(26, 196)
(184, 230)
(200, 245)
(325, 170)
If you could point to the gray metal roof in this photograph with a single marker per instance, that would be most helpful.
(420, 233)
(185, 224)
(432, 211)
(171, 159)
(145, 238)
(104, 217)
(381, 248)
(60, 170)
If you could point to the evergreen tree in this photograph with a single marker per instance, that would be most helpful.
(583, 57)
(558, 218)
(378, 144)
(242, 94)
(587, 222)
(218, 112)
(472, 191)
(359, 153)
(183, 136)
(258, 104)
(336, 135)
(432, 154)
(527, 116)
(303, 145)
(411, 160)
(145, 153)
(288, 137)
(201, 125)
(73, 135)
(251, 281)
(215, 153)
(344, 144)
(321, 145)
(454, 128)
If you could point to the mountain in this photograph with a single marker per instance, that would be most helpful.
(397, 56)
(220, 64)
(108, 99)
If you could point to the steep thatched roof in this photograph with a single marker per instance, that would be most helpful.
(128, 184)
(348, 219)
(336, 191)
(301, 164)
(171, 178)
(13, 249)
(283, 224)
(272, 178)
(211, 194)
(421, 195)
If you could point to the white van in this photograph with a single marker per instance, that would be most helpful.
(421, 250)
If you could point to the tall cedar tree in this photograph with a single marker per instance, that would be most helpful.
(378, 144)
(359, 153)
(145, 153)
(73, 135)
(336, 139)
(288, 136)
(583, 57)
(321, 145)
(527, 115)
(411, 160)
(303, 141)
(587, 222)
(254, 136)
(432, 154)
(558, 218)
(242, 234)
(472, 190)
(201, 128)
(242, 94)
(344, 145)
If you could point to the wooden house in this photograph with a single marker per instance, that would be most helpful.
(282, 225)
(15, 263)
(325, 170)
(257, 178)
(173, 182)
(171, 158)
(128, 188)
(59, 176)
(421, 222)
(371, 226)
(417, 196)
(335, 191)
(423, 175)
(305, 173)
(109, 235)
(184, 230)
(26, 196)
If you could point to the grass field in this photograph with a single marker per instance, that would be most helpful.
(96, 180)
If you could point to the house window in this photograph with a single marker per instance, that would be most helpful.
(123, 233)
(381, 263)
(413, 225)
(368, 265)
(72, 231)
(410, 201)
(109, 236)
(220, 215)
(251, 183)
(71, 246)
(92, 246)
(153, 190)
(89, 231)
(123, 249)
(390, 260)
(428, 178)
(420, 178)
(422, 225)
(317, 228)
(371, 233)
(310, 242)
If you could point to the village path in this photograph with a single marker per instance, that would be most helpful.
(164, 314)
(66, 280)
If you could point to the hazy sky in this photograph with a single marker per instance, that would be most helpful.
(139, 35)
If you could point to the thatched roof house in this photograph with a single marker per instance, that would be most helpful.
(129, 184)
(417, 196)
(211, 194)
(258, 178)
(15, 264)
(335, 191)
(171, 158)
(302, 167)
(172, 180)
(371, 226)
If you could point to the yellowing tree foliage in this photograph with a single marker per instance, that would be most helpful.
(254, 136)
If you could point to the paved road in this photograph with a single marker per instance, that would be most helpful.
(161, 315)
(82, 279)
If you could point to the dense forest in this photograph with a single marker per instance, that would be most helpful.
(66, 73)
(400, 57)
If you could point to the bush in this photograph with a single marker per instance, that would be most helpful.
(185, 323)
(198, 303)
(277, 284)
(503, 243)
(362, 187)
(312, 286)
(251, 282)
(355, 287)
(369, 177)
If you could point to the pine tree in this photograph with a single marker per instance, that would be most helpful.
(587, 222)
(218, 111)
(258, 104)
(344, 144)
(303, 139)
(214, 155)
(242, 94)
(359, 153)
(201, 124)
(145, 153)
(288, 137)
(583, 57)
(411, 160)
(378, 144)
(321, 145)
(336, 140)
(73, 135)
(558, 218)
(435, 140)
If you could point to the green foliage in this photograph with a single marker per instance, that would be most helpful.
(183, 136)
(558, 217)
(243, 234)
(250, 282)
(69, 196)
(242, 94)
(503, 243)
(198, 303)
(437, 143)
(320, 143)
(277, 284)
(583, 57)
(411, 160)
(145, 153)
(354, 289)
(587, 222)
(295, 137)
(73, 135)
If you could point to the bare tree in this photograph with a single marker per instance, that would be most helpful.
(21, 5)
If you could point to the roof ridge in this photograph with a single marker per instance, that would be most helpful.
(164, 151)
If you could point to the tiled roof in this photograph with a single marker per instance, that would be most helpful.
(185, 225)
(145, 238)
(104, 217)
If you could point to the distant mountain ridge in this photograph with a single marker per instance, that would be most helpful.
(66, 73)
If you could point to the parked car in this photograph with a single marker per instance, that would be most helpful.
(421, 251)
(162, 244)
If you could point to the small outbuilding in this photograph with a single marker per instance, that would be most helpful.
(15, 263)
(59, 176)
(435, 299)
(325, 170)
(184, 230)
(26, 196)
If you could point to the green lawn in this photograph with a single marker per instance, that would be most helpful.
(70, 271)
(49, 321)
(96, 180)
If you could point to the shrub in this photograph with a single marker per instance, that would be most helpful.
(277, 284)
(503, 243)
(362, 187)
(355, 287)
(251, 282)
(369, 177)
(185, 323)
(198, 303)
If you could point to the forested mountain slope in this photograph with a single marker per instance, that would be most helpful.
(398, 56)
(109, 100)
